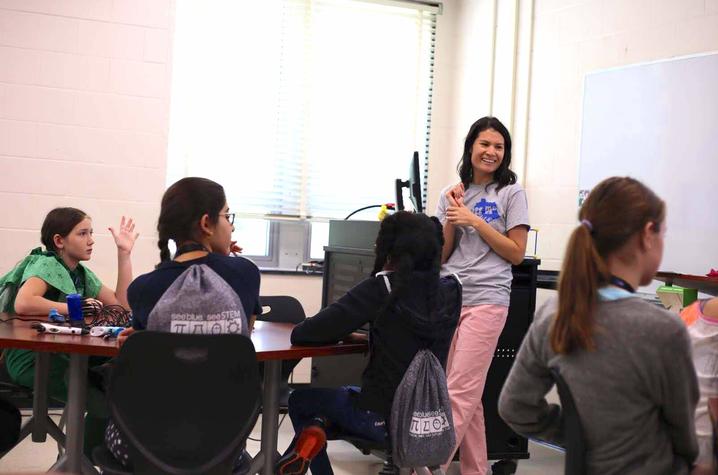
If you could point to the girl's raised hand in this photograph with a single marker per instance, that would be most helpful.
(234, 249)
(124, 334)
(126, 236)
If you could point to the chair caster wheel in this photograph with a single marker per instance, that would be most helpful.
(504, 467)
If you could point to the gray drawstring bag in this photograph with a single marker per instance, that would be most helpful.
(201, 302)
(422, 429)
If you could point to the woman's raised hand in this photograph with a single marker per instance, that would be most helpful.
(126, 236)
(460, 215)
(455, 195)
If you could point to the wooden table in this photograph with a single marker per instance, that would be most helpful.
(703, 283)
(271, 342)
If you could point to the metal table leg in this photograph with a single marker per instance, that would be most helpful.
(73, 460)
(39, 397)
(264, 461)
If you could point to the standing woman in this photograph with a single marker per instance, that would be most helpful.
(486, 225)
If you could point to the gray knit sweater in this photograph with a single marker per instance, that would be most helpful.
(636, 393)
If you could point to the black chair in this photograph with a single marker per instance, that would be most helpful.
(9, 425)
(185, 404)
(10, 419)
(713, 414)
(282, 309)
(571, 428)
(15, 397)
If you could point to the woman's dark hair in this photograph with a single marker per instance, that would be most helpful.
(183, 205)
(410, 242)
(59, 221)
(615, 210)
(503, 175)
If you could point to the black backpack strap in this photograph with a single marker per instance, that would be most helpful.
(385, 275)
(460, 291)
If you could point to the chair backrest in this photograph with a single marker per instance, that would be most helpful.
(282, 309)
(9, 425)
(185, 403)
(573, 435)
(713, 413)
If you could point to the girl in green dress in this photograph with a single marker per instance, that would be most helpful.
(42, 281)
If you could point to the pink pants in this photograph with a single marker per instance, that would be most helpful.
(472, 349)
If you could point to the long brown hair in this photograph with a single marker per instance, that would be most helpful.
(615, 210)
(183, 205)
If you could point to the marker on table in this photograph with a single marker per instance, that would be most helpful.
(46, 327)
(106, 332)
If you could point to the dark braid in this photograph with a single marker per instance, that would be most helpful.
(163, 244)
(409, 242)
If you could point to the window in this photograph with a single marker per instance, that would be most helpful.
(305, 110)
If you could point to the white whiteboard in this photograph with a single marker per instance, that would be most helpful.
(658, 123)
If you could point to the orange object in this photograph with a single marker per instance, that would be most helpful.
(691, 313)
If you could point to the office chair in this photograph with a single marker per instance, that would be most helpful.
(9, 425)
(571, 428)
(184, 403)
(10, 419)
(713, 414)
(36, 426)
(282, 309)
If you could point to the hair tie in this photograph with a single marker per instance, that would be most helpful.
(587, 223)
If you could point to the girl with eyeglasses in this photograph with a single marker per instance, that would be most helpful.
(195, 215)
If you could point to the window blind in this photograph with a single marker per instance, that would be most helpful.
(301, 108)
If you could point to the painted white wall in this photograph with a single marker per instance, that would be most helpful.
(542, 51)
(84, 95)
(573, 38)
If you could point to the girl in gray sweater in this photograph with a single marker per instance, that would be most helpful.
(627, 362)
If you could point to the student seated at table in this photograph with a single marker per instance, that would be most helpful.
(42, 281)
(701, 318)
(202, 278)
(420, 310)
(626, 361)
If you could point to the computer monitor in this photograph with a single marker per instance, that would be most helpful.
(414, 185)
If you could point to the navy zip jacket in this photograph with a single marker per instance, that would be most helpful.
(396, 334)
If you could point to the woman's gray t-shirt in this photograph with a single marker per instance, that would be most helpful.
(485, 276)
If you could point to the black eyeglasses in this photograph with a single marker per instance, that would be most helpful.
(229, 216)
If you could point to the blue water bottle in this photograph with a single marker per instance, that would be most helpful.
(74, 308)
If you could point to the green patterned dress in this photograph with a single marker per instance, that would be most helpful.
(20, 364)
